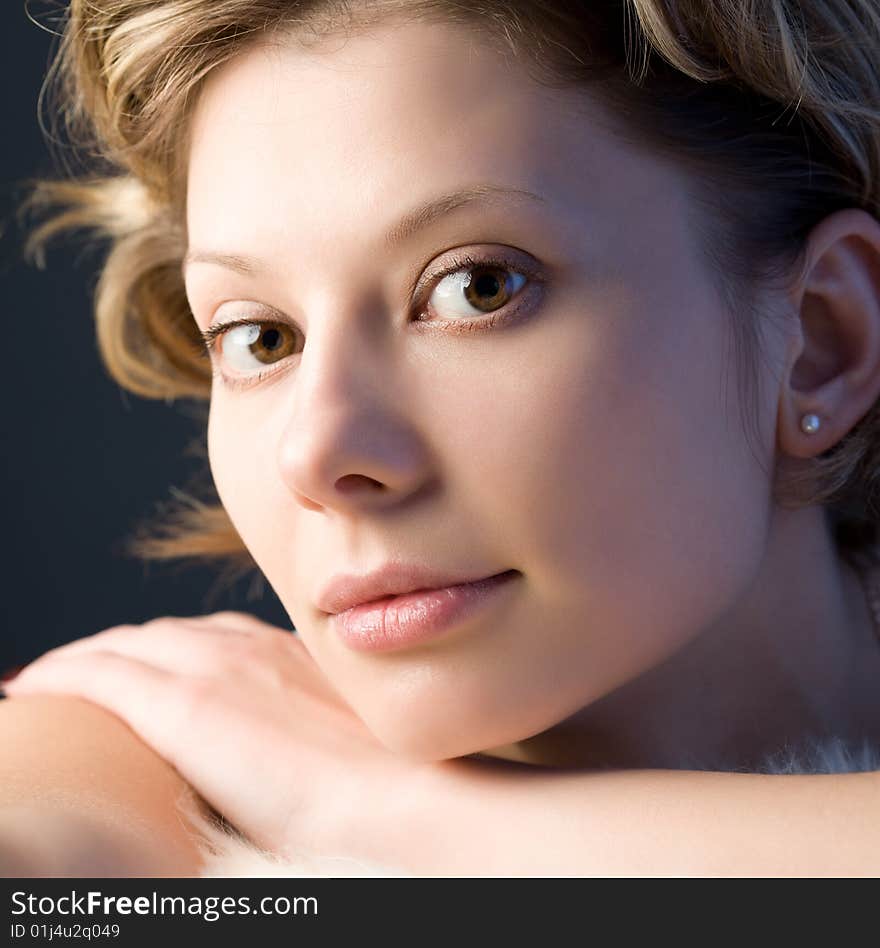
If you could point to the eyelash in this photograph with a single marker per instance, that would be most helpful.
(212, 334)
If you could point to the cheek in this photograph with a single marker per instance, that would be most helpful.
(241, 456)
(639, 496)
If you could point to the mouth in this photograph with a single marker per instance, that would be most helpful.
(399, 621)
(393, 597)
(392, 579)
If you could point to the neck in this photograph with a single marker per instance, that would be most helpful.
(796, 659)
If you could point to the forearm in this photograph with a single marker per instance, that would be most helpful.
(472, 817)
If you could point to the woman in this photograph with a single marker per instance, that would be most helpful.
(567, 312)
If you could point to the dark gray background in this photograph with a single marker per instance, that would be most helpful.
(84, 461)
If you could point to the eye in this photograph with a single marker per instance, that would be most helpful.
(246, 346)
(474, 287)
(470, 293)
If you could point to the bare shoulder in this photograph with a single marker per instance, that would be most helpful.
(64, 752)
(56, 744)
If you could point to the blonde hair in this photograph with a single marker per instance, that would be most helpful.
(774, 107)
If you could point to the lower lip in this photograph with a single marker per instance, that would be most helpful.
(400, 621)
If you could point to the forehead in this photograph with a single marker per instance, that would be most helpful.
(325, 141)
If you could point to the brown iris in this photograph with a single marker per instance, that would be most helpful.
(485, 290)
(275, 342)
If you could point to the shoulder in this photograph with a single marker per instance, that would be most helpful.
(63, 752)
(59, 740)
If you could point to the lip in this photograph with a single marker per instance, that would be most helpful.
(415, 617)
(392, 579)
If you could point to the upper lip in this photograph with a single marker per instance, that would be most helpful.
(393, 579)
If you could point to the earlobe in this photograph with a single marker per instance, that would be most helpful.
(834, 378)
(810, 423)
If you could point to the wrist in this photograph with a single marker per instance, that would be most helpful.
(383, 818)
(427, 819)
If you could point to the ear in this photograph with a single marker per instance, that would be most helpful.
(834, 366)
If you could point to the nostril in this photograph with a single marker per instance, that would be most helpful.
(352, 482)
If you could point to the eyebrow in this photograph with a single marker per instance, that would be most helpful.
(417, 219)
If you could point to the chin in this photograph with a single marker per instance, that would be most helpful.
(424, 745)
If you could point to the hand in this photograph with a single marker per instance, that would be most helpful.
(245, 715)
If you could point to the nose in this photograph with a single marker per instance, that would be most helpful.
(347, 442)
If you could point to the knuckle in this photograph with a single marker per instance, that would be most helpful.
(123, 629)
(225, 615)
(192, 698)
(220, 621)
(243, 619)
(243, 652)
(163, 622)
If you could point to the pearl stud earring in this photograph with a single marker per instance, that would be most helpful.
(810, 424)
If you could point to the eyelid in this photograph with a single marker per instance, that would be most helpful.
(425, 276)
(262, 314)
(460, 259)
(455, 260)
(216, 330)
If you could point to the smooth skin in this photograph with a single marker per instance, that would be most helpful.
(82, 795)
(277, 753)
(593, 441)
(667, 613)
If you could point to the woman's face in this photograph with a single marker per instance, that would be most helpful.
(590, 439)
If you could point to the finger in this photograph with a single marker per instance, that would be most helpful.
(108, 679)
(170, 711)
(271, 661)
(185, 645)
(244, 621)
(185, 720)
(223, 623)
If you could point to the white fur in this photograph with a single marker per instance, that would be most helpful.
(824, 757)
(226, 853)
